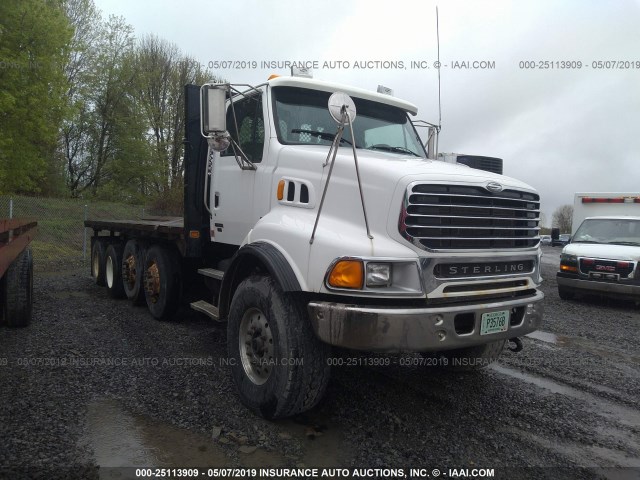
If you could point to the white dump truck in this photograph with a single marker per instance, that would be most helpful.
(315, 217)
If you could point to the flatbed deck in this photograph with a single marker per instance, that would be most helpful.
(170, 228)
(15, 235)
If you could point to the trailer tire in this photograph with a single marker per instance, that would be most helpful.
(113, 271)
(266, 322)
(161, 282)
(469, 359)
(565, 293)
(98, 255)
(133, 270)
(17, 293)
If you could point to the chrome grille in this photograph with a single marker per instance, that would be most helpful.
(453, 217)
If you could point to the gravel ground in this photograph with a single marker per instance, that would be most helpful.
(96, 382)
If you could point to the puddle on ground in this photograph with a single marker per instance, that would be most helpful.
(605, 408)
(543, 336)
(323, 441)
(120, 439)
(607, 460)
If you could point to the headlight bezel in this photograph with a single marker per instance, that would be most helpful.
(405, 277)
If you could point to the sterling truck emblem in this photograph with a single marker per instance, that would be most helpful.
(494, 187)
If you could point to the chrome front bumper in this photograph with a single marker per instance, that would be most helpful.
(622, 289)
(417, 329)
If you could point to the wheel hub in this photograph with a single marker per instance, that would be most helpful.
(109, 272)
(256, 346)
(129, 271)
(152, 282)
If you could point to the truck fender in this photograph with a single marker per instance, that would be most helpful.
(248, 259)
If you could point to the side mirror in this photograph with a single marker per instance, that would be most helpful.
(213, 117)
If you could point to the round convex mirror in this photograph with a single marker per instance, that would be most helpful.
(339, 100)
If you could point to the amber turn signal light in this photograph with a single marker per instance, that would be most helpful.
(347, 274)
(568, 268)
(280, 194)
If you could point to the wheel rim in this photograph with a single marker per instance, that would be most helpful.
(108, 272)
(152, 282)
(256, 346)
(129, 271)
(95, 264)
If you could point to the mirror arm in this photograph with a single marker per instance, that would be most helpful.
(242, 160)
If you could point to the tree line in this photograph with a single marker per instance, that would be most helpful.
(88, 109)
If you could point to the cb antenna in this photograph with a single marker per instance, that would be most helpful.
(439, 66)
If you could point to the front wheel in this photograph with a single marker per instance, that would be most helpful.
(279, 366)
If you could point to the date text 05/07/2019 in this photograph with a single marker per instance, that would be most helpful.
(579, 65)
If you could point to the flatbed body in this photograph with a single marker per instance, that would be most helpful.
(15, 236)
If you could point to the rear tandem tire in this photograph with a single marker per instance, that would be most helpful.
(113, 271)
(278, 365)
(161, 282)
(17, 291)
(133, 270)
(98, 255)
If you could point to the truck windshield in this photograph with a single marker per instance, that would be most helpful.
(608, 230)
(302, 118)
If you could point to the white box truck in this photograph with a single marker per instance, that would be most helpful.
(602, 204)
(604, 252)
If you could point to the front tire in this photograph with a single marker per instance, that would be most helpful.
(17, 291)
(278, 365)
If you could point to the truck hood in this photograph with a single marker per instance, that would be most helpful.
(603, 251)
(385, 177)
(377, 167)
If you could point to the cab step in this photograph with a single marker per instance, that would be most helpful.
(211, 273)
(207, 308)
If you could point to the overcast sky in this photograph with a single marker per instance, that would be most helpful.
(560, 130)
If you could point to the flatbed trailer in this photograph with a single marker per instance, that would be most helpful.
(16, 271)
(168, 228)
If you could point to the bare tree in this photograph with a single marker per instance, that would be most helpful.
(562, 218)
(162, 73)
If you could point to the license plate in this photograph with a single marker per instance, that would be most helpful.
(494, 322)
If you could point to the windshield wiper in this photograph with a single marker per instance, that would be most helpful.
(389, 148)
(585, 241)
(322, 135)
(635, 244)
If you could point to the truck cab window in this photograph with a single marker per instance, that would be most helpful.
(302, 118)
(250, 132)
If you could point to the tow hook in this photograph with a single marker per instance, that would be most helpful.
(517, 344)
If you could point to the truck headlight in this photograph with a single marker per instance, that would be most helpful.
(378, 275)
(568, 263)
(375, 276)
(346, 274)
